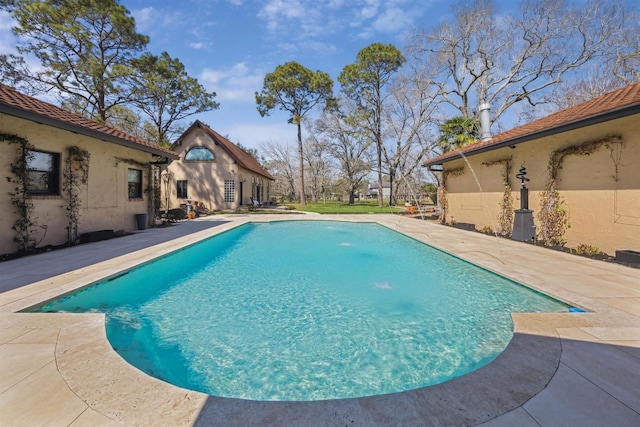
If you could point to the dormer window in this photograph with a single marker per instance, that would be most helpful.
(199, 154)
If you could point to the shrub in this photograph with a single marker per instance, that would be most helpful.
(584, 249)
(486, 230)
(176, 214)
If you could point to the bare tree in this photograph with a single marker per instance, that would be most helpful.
(281, 160)
(618, 64)
(506, 58)
(595, 82)
(317, 156)
(619, 25)
(407, 120)
(350, 145)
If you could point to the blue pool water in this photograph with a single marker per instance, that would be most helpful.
(308, 310)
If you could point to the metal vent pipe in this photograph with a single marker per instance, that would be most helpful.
(485, 122)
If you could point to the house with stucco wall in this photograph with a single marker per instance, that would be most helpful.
(213, 172)
(583, 169)
(80, 175)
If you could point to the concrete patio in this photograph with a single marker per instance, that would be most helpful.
(559, 369)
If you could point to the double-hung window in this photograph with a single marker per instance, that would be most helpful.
(182, 189)
(44, 173)
(134, 183)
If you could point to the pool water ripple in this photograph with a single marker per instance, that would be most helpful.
(308, 310)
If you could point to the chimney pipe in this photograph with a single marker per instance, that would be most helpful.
(485, 122)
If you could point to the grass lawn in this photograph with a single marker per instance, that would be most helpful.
(335, 207)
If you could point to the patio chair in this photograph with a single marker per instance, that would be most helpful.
(254, 202)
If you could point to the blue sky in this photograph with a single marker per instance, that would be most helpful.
(229, 46)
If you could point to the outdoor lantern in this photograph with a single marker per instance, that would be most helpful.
(524, 191)
(523, 227)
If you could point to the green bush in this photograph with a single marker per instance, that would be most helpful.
(584, 249)
(176, 214)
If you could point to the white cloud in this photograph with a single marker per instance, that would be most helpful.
(145, 18)
(369, 10)
(7, 39)
(321, 47)
(391, 17)
(8, 44)
(276, 10)
(296, 20)
(261, 131)
(6, 21)
(302, 19)
(236, 83)
(215, 76)
(392, 20)
(150, 19)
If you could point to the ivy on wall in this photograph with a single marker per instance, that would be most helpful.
(505, 217)
(167, 179)
(76, 173)
(616, 157)
(132, 162)
(153, 189)
(553, 218)
(25, 226)
(442, 191)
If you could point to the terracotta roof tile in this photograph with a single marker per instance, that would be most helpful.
(611, 102)
(28, 107)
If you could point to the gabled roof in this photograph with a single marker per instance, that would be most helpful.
(240, 156)
(26, 107)
(613, 105)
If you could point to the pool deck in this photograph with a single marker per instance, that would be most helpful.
(559, 369)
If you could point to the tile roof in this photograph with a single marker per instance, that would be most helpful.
(612, 105)
(241, 157)
(20, 105)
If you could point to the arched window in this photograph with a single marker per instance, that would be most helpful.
(199, 153)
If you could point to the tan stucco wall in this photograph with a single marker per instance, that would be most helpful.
(105, 200)
(205, 179)
(603, 212)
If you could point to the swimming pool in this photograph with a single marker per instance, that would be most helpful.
(365, 311)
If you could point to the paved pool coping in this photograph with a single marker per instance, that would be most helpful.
(69, 357)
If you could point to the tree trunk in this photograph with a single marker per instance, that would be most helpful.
(303, 200)
(379, 142)
(391, 195)
(380, 198)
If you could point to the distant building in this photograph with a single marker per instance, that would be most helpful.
(214, 172)
(372, 191)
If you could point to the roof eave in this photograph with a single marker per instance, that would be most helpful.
(178, 140)
(565, 127)
(238, 161)
(49, 121)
